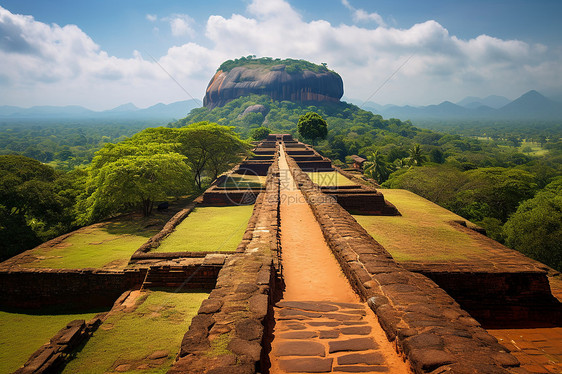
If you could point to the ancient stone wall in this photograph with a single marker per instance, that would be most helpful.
(226, 336)
(168, 228)
(78, 289)
(53, 355)
(427, 325)
(218, 196)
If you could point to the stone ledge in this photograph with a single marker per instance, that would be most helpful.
(53, 355)
(227, 333)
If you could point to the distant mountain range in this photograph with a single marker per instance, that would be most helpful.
(530, 106)
(164, 112)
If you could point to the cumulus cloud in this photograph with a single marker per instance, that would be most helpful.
(360, 15)
(48, 62)
(180, 24)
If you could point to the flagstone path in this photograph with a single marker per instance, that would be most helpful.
(321, 325)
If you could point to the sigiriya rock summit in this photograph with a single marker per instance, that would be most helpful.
(293, 80)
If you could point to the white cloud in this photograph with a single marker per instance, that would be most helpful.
(50, 64)
(152, 17)
(180, 25)
(360, 15)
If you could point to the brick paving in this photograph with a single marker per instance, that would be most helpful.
(324, 336)
(539, 349)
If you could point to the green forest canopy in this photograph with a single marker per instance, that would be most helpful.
(483, 180)
(291, 65)
(490, 181)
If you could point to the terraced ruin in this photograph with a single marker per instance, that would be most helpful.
(285, 264)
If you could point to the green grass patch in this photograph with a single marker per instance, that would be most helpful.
(22, 333)
(422, 233)
(209, 229)
(244, 181)
(330, 178)
(157, 324)
(532, 148)
(103, 245)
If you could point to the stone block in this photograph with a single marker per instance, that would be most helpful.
(209, 306)
(300, 348)
(357, 344)
(249, 329)
(306, 365)
(308, 306)
(258, 305)
(362, 358)
(252, 349)
(429, 359)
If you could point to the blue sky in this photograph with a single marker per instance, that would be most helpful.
(98, 54)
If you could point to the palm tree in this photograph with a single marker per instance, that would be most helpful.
(416, 158)
(376, 167)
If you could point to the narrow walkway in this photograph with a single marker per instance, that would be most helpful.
(321, 324)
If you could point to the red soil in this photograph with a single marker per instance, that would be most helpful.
(311, 272)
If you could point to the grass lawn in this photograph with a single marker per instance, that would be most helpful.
(330, 178)
(422, 233)
(21, 334)
(244, 181)
(103, 245)
(209, 229)
(534, 148)
(126, 339)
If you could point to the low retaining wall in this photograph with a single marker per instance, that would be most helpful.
(428, 326)
(502, 299)
(303, 152)
(52, 356)
(168, 228)
(254, 167)
(362, 201)
(315, 165)
(226, 336)
(183, 277)
(217, 196)
(79, 289)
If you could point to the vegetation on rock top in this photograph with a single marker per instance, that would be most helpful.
(291, 65)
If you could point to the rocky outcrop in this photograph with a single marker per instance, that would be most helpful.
(257, 108)
(275, 82)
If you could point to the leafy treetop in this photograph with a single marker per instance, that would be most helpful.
(312, 126)
(291, 65)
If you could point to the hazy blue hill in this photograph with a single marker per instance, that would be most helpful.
(176, 110)
(492, 101)
(531, 105)
(163, 112)
(129, 107)
(7, 110)
(49, 111)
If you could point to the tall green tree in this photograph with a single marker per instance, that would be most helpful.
(416, 155)
(136, 181)
(376, 167)
(34, 204)
(260, 133)
(535, 229)
(211, 149)
(312, 126)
